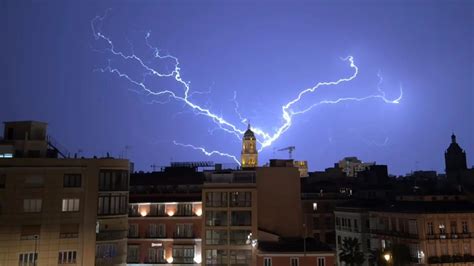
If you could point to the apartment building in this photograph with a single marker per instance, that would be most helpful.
(57, 210)
(229, 218)
(165, 216)
(435, 231)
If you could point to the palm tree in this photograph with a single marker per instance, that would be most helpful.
(350, 252)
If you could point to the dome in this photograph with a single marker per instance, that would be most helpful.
(249, 134)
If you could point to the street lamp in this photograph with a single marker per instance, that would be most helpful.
(387, 257)
(251, 241)
(35, 256)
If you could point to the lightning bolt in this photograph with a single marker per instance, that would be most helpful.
(265, 139)
(208, 153)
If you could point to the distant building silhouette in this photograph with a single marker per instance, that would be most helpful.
(455, 160)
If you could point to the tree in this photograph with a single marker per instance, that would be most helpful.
(350, 252)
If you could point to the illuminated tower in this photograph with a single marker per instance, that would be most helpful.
(249, 155)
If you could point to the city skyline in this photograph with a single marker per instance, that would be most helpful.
(55, 74)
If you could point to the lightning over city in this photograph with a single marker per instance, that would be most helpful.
(265, 138)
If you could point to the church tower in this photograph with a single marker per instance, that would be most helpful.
(455, 159)
(249, 155)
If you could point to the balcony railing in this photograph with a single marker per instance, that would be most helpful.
(449, 236)
(395, 234)
(188, 235)
(183, 260)
(111, 235)
(148, 235)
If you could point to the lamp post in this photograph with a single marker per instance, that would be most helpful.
(35, 256)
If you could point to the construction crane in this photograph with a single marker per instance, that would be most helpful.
(290, 150)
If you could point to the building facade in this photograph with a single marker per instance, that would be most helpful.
(59, 210)
(165, 217)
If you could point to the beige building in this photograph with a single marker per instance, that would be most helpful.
(229, 218)
(435, 231)
(59, 210)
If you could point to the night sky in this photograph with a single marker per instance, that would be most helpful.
(263, 53)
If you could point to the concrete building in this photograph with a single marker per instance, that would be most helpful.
(59, 210)
(229, 218)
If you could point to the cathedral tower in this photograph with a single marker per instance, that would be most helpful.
(455, 159)
(249, 155)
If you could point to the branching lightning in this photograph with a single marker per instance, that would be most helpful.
(208, 153)
(265, 139)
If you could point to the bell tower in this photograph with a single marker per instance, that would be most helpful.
(249, 155)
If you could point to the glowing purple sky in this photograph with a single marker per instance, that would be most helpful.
(266, 52)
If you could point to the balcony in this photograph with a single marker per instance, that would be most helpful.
(183, 260)
(184, 236)
(148, 235)
(449, 236)
(111, 235)
(395, 234)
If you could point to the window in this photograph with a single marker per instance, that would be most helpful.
(184, 231)
(70, 205)
(72, 180)
(339, 240)
(216, 237)
(69, 231)
(368, 243)
(267, 262)
(185, 209)
(240, 257)
(356, 225)
(321, 261)
(241, 199)
(3, 179)
(157, 230)
(216, 218)
(241, 218)
(67, 257)
(294, 262)
(156, 255)
(133, 230)
(430, 228)
(465, 228)
(32, 205)
(453, 227)
(106, 250)
(112, 204)
(113, 180)
(216, 199)
(133, 252)
(216, 257)
(29, 232)
(156, 210)
(133, 210)
(27, 259)
(34, 181)
(239, 237)
(183, 254)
